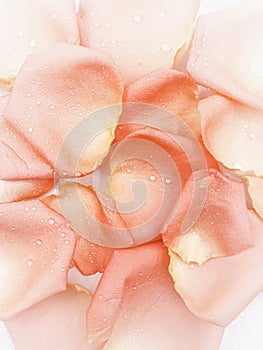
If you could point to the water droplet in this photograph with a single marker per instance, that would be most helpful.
(62, 234)
(26, 208)
(108, 25)
(52, 107)
(39, 242)
(30, 129)
(165, 47)
(252, 136)
(128, 171)
(66, 241)
(137, 19)
(51, 221)
(20, 34)
(162, 14)
(152, 178)
(32, 43)
(167, 180)
(205, 64)
(30, 263)
(54, 15)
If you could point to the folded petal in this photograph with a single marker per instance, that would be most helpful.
(170, 90)
(22, 35)
(36, 251)
(227, 52)
(24, 173)
(61, 95)
(212, 219)
(11, 191)
(233, 133)
(58, 322)
(255, 189)
(221, 288)
(143, 36)
(136, 307)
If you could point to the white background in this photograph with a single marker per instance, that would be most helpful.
(246, 332)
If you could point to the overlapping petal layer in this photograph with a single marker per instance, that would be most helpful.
(233, 133)
(127, 30)
(28, 26)
(58, 322)
(88, 257)
(36, 250)
(227, 52)
(61, 95)
(221, 288)
(136, 307)
(170, 90)
(212, 219)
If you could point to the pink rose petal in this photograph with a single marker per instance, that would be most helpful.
(212, 224)
(36, 250)
(28, 26)
(221, 288)
(227, 52)
(136, 306)
(69, 84)
(171, 90)
(139, 35)
(58, 322)
(233, 133)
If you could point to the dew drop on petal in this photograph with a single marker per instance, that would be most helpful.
(30, 263)
(165, 47)
(152, 178)
(32, 43)
(137, 19)
(39, 242)
(51, 221)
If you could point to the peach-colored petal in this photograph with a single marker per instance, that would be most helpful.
(36, 251)
(221, 288)
(136, 307)
(89, 257)
(255, 189)
(24, 173)
(227, 52)
(139, 35)
(218, 224)
(61, 95)
(11, 191)
(58, 322)
(170, 90)
(233, 133)
(27, 27)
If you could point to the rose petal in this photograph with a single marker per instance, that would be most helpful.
(255, 189)
(89, 257)
(232, 66)
(58, 322)
(142, 37)
(233, 134)
(24, 173)
(11, 191)
(22, 35)
(170, 90)
(67, 100)
(212, 224)
(136, 306)
(221, 288)
(36, 250)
